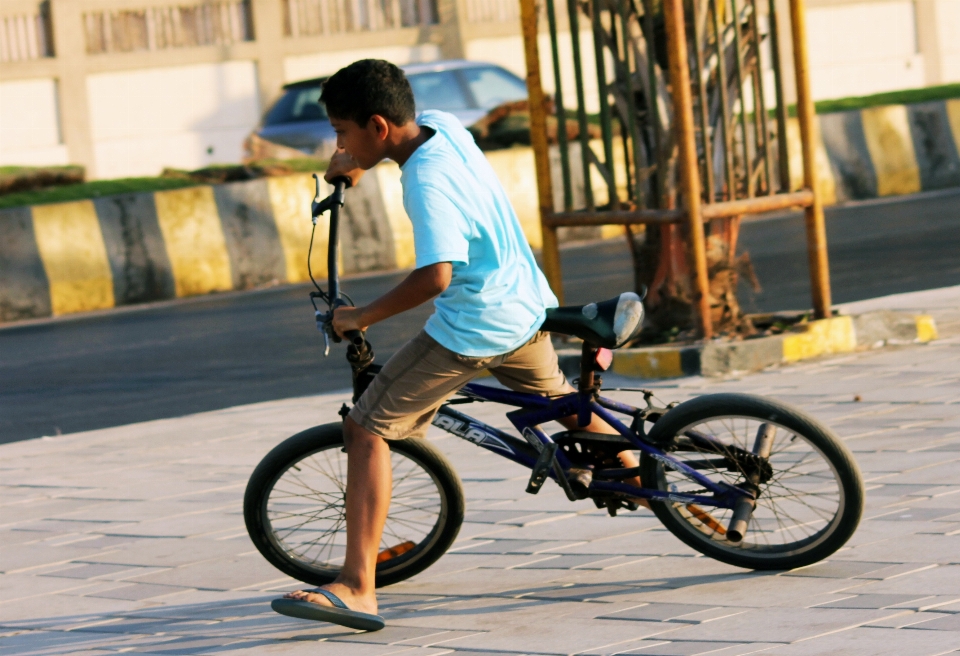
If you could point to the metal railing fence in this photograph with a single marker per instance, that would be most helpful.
(158, 28)
(682, 98)
(319, 17)
(25, 33)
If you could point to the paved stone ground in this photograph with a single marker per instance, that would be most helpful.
(131, 539)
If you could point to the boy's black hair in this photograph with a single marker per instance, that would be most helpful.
(367, 87)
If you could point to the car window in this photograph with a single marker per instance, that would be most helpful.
(438, 90)
(493, 86)
(296, 105)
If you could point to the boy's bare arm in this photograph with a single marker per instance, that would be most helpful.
(419, 287)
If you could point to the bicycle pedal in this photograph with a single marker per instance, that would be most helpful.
(542, 468)
(580, 480)
(613, 505)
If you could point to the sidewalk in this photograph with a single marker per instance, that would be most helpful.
(131, 539)
(943, 304)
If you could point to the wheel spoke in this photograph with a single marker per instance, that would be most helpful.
(305, 509)
(799, 501)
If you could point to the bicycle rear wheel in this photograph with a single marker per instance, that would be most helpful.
(294, 507)
(809, 507)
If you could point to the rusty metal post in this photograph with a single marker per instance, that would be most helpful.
(689, 169)
(538, 139)
(816, 228)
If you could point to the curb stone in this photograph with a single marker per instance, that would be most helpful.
(88, 255)
(842, 334)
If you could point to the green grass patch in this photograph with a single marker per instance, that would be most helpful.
(302, 165)
(88, 190)
(26, 178)
(903, 97)
(171, 179)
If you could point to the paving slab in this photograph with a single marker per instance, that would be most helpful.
(131, 539)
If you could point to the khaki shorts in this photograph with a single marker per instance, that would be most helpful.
(404, 396)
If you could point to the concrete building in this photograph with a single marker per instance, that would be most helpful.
(127, 87)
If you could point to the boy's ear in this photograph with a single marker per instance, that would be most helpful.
(380, 125)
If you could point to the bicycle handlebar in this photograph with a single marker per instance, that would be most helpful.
(355, 337)
(333, 203)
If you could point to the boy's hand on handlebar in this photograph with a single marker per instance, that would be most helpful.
(346, 319)
(342, 165)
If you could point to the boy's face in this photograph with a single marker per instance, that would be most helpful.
(366, 144)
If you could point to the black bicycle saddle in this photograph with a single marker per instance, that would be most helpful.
(608, 324)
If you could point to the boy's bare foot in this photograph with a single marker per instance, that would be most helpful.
(365, 603)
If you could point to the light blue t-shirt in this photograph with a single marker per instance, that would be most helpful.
(497, 298)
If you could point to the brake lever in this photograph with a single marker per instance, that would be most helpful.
(324, 324)
(318, 207)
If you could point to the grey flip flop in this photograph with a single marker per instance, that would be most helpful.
(336, 614)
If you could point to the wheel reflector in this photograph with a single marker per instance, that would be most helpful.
(705, 518)
(393, 552)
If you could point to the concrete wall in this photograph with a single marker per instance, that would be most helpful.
(129, 104)
(863, 48)
(183, 117)
(134, 112)
(947, 22)
(91, 255)
(304, 67)
(30, 124)
(883, 151)
(132, 248)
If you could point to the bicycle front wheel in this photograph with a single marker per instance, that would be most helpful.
(808, 507)
(294, 507)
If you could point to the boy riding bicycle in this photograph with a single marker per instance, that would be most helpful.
(490, 301)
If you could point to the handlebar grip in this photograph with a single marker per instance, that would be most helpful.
(355, 337)
(342, 180)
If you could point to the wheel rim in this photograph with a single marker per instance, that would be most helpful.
(305, 521)
(798, 508)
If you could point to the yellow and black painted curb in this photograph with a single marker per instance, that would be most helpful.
(841, 334)
(882, 151)
(132, 248)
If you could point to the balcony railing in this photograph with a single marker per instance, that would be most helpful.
(159, 28)
(493, 11)
(322, 17)
(26, 35)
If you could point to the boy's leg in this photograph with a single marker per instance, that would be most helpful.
(535, 368)
(598, 425)
(369, 486)
(399, 403)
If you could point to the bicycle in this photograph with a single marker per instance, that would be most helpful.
(746, 480)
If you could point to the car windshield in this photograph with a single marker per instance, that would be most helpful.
(492, 87)
(297, 104)
(438, 90)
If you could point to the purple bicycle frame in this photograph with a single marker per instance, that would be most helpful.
(534, 410)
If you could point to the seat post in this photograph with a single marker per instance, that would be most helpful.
(587, 379)
(588, 355)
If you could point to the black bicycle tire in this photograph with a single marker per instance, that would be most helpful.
(703, 408)
(314, 439)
